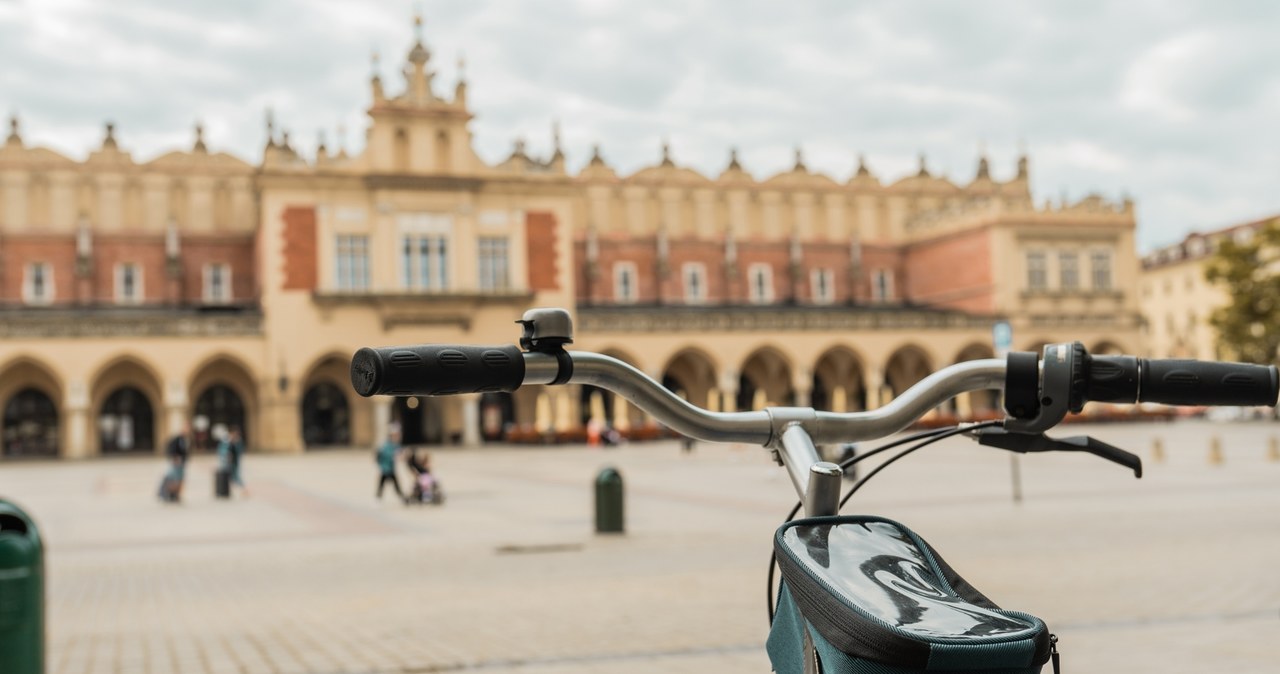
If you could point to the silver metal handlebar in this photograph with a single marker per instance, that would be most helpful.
(791, 432)
(765, 427)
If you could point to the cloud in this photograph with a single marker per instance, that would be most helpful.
(1173, 102)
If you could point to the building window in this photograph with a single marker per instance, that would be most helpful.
(882, 285)
(424, 261)
(129, 289)
(1069, 271)
(353, 262)
(760, 276)
(493, 263)
(624, 282)
(822, 286)
(37, 283)
(1100, 265)
(217, 283)
(695, 282)
(1037, 272)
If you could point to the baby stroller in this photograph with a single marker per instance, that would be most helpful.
(426, 488)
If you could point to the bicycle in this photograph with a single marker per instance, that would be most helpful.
(859, 594)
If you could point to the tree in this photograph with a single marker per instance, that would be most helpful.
(1249, 270)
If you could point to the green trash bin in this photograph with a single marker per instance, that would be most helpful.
(609, 516)
(21, 593)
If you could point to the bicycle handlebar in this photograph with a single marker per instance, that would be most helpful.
(453, 369)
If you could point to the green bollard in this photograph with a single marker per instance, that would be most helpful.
(21, 593)
(609, 502)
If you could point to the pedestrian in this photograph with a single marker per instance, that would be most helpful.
(176, 451)
(426, 488)
(231, 455)
(687, 444)
(386, 459)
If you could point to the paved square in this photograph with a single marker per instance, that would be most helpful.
(1173, 573)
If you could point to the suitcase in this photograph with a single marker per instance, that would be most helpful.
(222, 484)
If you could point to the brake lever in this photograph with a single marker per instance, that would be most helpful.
(1039, 442)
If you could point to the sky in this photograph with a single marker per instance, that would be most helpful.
(1171, 102)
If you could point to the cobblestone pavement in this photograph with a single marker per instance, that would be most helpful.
(1173, 573)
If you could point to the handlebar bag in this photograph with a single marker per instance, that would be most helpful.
(866, 595)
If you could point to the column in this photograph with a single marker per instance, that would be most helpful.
(729, 390)
(802, 384)
(875, 388)
(76, 412)
(381, 418)
(471, 420)
(175, 405)
(621, 415)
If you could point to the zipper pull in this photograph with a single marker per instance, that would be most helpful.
(1053, 653)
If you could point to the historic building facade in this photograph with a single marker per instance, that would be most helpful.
(197, 286)
(1177, 299)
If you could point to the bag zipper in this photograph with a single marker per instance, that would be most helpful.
(1053, 652)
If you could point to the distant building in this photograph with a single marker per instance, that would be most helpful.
(196, 285)
(1177, 299)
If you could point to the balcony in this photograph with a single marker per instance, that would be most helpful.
(399, 309)
(106, 321)
(771, 317)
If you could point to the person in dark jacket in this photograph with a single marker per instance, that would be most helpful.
(231, 456)
(176, 451)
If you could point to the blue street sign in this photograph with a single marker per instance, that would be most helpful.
(1002, 336)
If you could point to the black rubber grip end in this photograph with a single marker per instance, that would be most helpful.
(1194, 382)
(436, 369)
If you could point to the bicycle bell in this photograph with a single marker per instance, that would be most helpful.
(546, 330)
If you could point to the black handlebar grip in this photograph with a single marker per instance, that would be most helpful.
(1195, 382)
(436, 370)
(1112, 379)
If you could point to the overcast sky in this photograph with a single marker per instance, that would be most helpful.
(1174, 103)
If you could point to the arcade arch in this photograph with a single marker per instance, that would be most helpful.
(765, 380)
(31, 396)
(222, 394)
(326, 410)
(126, 400)
(908, 365)
(692, 372)
(838, 381)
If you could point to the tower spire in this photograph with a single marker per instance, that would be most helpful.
(14, 137)
(984, 167)
(734, 164)
(271, 128)
(862, 171)
(109, 141)
(199, 145)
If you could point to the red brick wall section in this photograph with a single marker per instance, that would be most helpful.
(59, 252)
(146, 251)
(299, 248)
(876, 257)
(953, 271)
(540, 235)
(238, 253)
(775, 254)
(721, 290)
